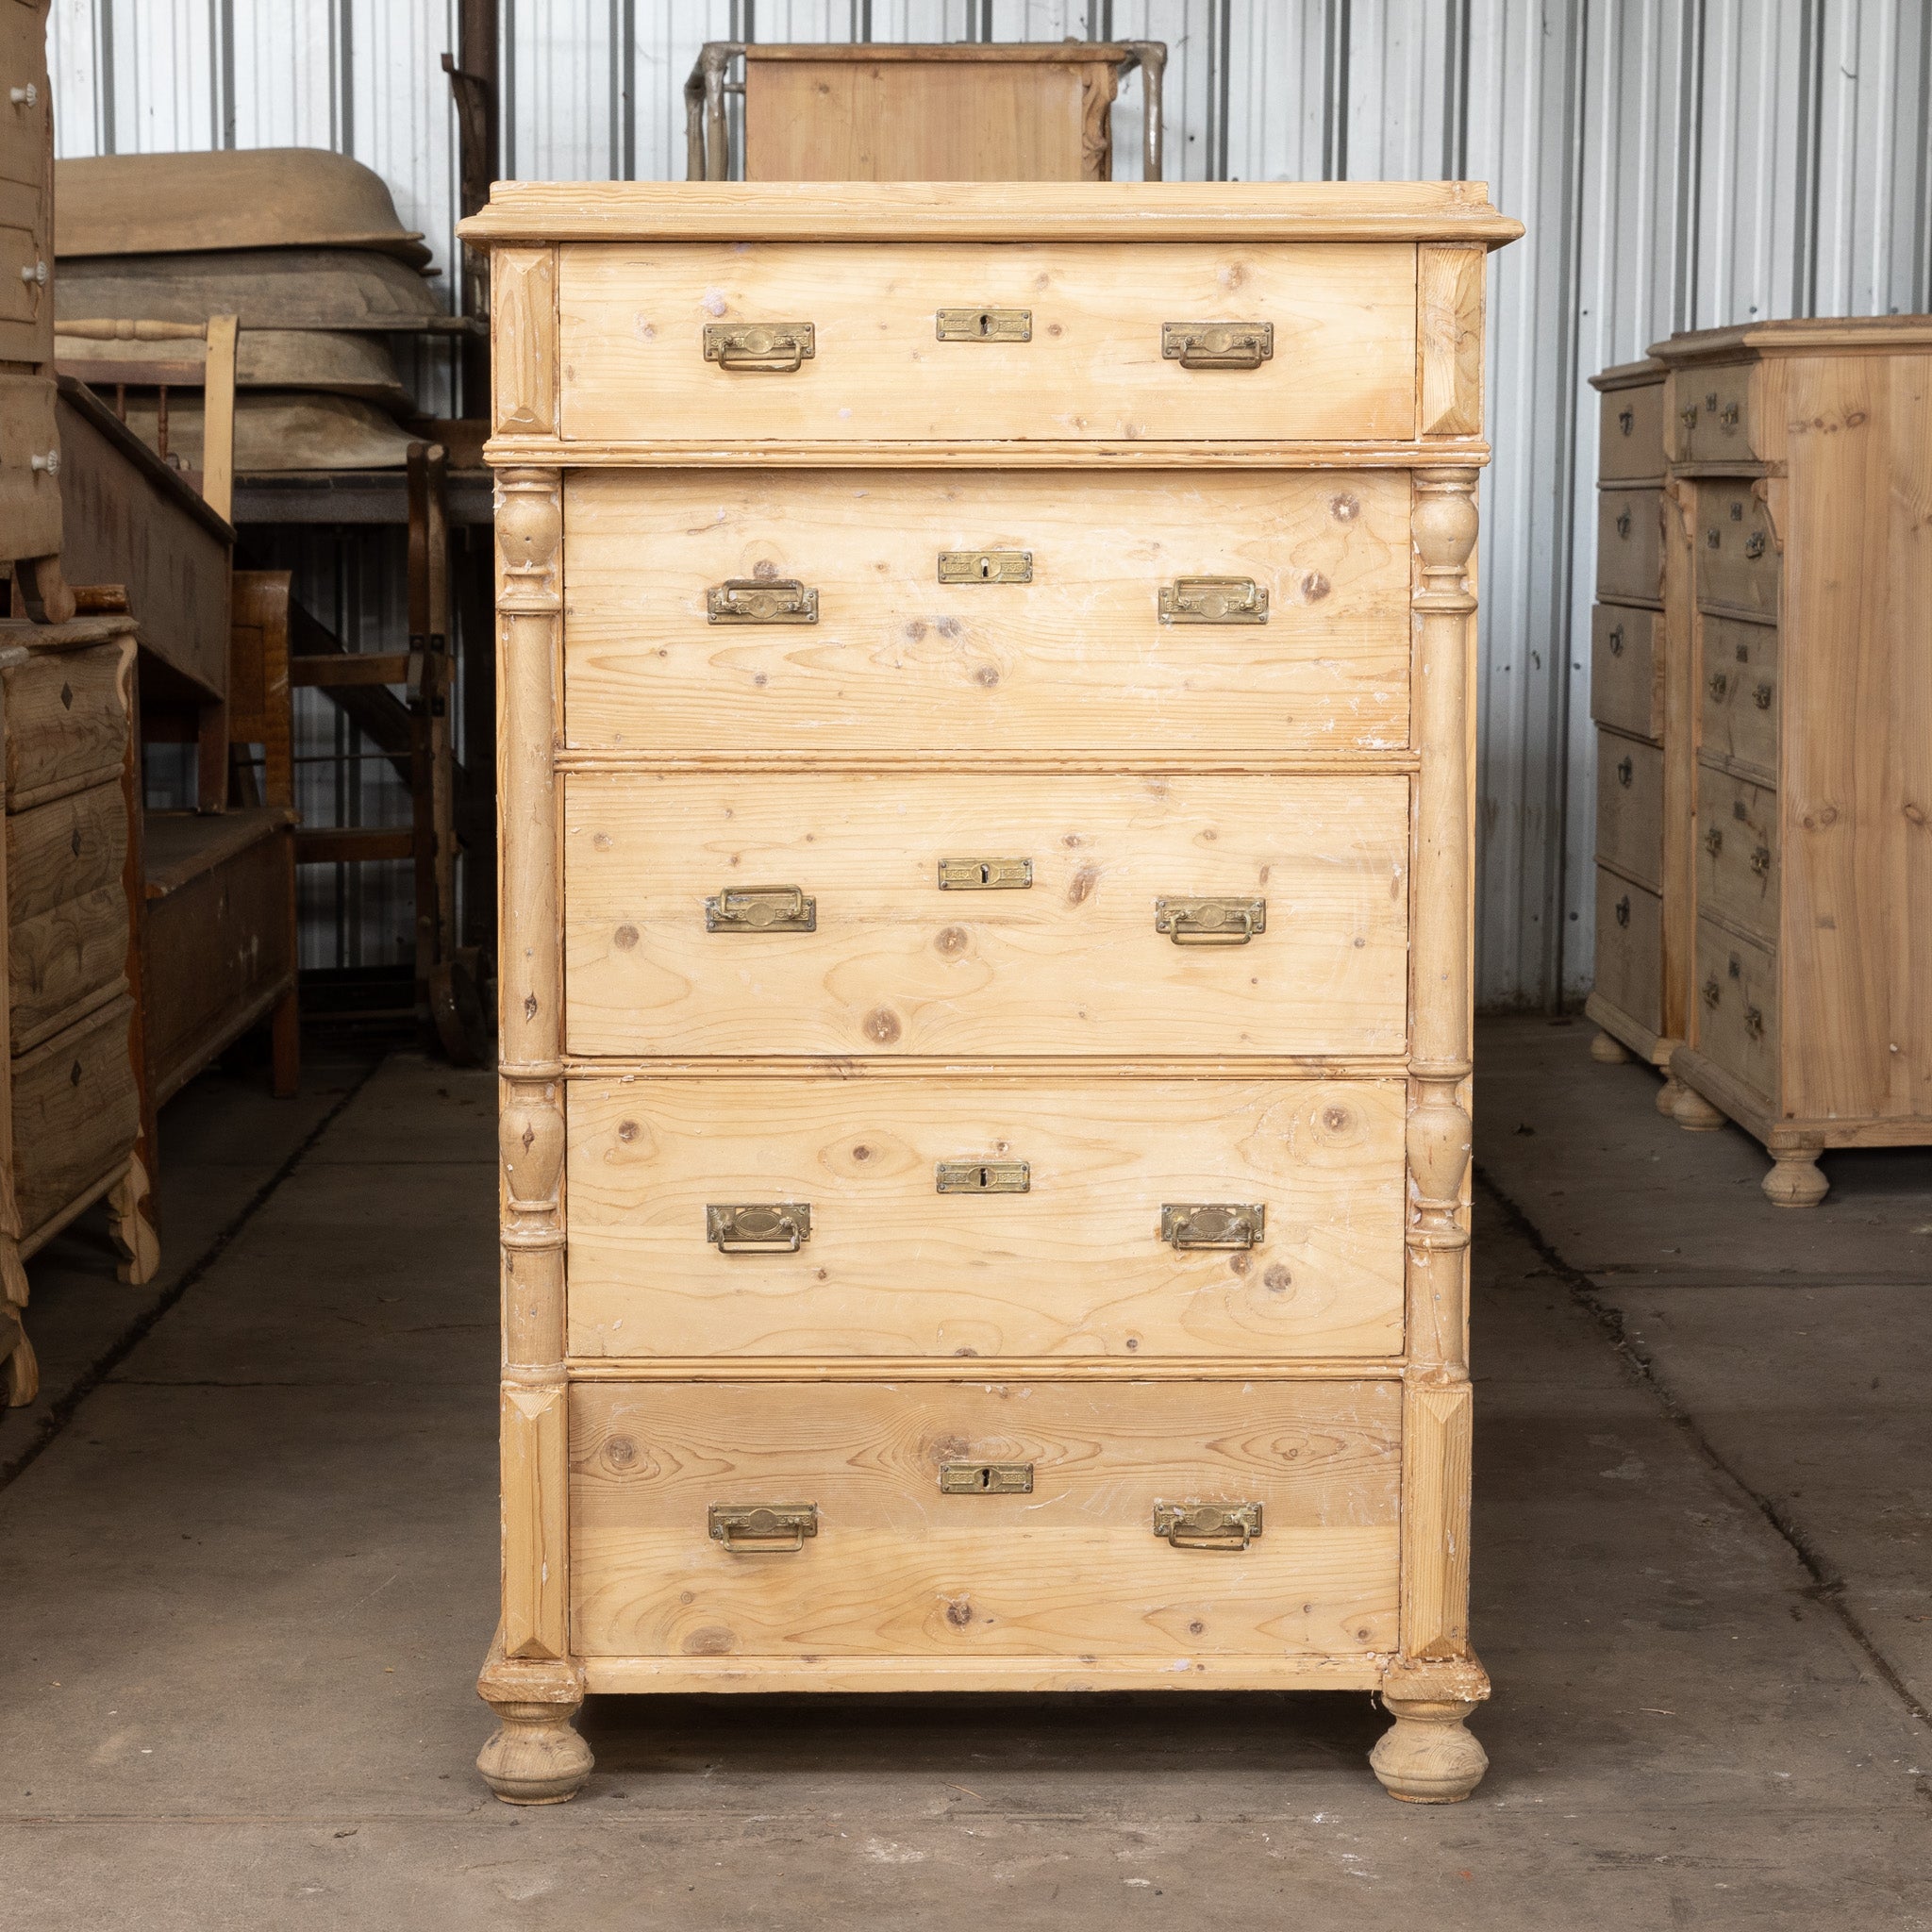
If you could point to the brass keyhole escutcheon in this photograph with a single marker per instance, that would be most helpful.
(1626, 420)
(1624, 522)
(984, 325)
(1625, 773)
(1617, 640)
(1624, 909)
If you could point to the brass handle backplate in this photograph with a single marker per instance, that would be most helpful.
(1762, 697)
(1625, 773)
(1688, 416)
(984, 325)
(1207, 1525)
(1210, 922)
(1213, 600)
(762, 600)
(761, 909)
(985, 874)
(1622, 523)
(1754, 1022)
(986, 566)
(1713, 993)
(983, 1176)
(1754, 543)
(1718, 686)
(1728, 416)
(1760, 861)
(759, 1529)
(1714, 841)
(1615, 640)
(985, 1478)
(765, 349)
(759, 1227)
(1626, 420)
(1624, 909)
(1212, 1223)
(1217, 344)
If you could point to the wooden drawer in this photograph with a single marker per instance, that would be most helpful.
(29, 498)
(67, 907)
(1737, 852)
(1714, 423)
(1739, 695)
(1630, 807)
(898, 1566)
(1630, 444)
(1737, 1006)
(1629, 949)
(1072, 965)
(1076, 1265)
(1627, 672)
(1078, 655)
(1629, 552)
(24, 66)
(75, 1113)
(632, 321)
(1737, 552)
(66, 721)
(26, 301)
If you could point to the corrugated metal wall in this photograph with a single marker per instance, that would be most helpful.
(1680, 163)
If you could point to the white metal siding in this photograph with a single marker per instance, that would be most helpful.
(1680, 163)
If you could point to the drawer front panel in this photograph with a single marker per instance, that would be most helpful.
(1626, 681)
(75, 1113)
(1737, 852)
(1630, 807)
(67, 907)
(1737, 552)
(632, 345)
(1076, 1265)
(71, 845)
(29, 498)
(66, 719)
(1630, 544)
(1740, 695)
(1630, 444)
(1629, 949)
(1071, 964)
(1078, 654)
(1715, 421)
(1737, 1006)
(896, 1566)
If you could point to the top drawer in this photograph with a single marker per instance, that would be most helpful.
(1051, 342)
(1714, 415)
(1630, 447)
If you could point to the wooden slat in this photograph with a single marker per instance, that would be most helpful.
(355, 667)
(351, 844)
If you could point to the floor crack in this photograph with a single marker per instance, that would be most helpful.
(1827, 1590)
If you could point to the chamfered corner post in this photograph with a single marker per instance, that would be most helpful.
(1428, 1756)
(530, 1679)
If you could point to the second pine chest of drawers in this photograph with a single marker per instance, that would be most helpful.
(986, 847)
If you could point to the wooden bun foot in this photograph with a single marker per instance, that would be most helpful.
(1606, 1050)
(534, 1756)
(1428, 1756)
(1691, 1111)
(1795, 1181)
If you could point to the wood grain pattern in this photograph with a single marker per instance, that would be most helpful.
(1437, 1430)
(1736, 551)
(1720, 426)
(1075, 1266)
(69, 846)
(1629, 949)
(632, 321)
(1626, 670)
(1449, 340)
(67, 713)
(29, 498)
(75, 1113)
(1738, 710)
(1737, 856)
(1629, 561)
(1629, 808)
(1072, 965)
(524, 367)
(897, 660)
(899, 1569)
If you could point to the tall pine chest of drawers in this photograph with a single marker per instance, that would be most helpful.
(985, 757)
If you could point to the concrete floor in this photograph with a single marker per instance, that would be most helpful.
(246, 1540)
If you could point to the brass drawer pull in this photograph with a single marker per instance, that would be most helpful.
(984, 325)
(985, 874)
(762, 600)
(983, 1177)
(1728, 416)
(1688, 416)
(1754, 1022)
(1713, 993)
(761, 909)
(1754, 543)
(985, 1478)
(986, 566)
(1625, 773)
(1714, 841)
(1762, 697)
(759, 1227)
(1624, 909)
(1213, 600)
(1213, 1223)
(1207, 1525)
(766, 348)
(1626, 420)
(762, 1529)
(1615, 640)
(1210, 922)
(1760, 861)
(1622, 523)
(1217, 344)
(1718, 686)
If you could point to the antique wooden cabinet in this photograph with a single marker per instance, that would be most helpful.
(985, 744)
(1800, 585)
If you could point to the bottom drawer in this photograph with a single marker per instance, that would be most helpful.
(894, 1537)
(1629, 949)
(1737, 1006)
(75, 1113)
